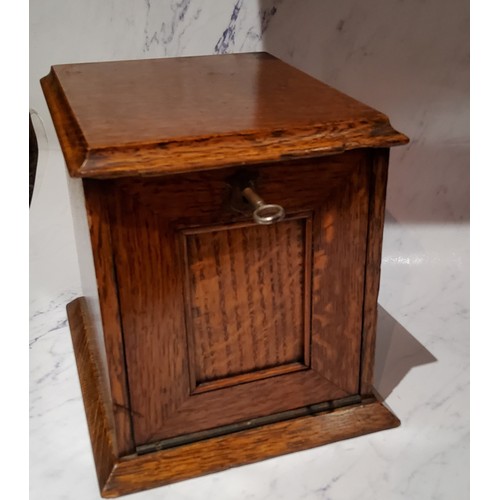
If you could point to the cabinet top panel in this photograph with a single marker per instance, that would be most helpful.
(160, 116)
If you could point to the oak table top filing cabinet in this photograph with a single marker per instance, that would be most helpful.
(228, 212)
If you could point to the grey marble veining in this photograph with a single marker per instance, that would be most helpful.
(408, 59)
(239, 35)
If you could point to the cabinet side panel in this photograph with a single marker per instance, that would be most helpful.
(378, 186)
(338, 280)
(97, 277)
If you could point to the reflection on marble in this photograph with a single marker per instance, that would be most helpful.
(408, 59)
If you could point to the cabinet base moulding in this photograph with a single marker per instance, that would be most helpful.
(120, 475)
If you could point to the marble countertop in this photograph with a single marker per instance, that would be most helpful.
(422, 372)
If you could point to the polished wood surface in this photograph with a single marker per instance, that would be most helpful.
(98, 408)
(159, 116)
(109, 307)
(168, 466)
(119, 476)
(378, 186)
(150, 219)
(205, 340)
(246, 300)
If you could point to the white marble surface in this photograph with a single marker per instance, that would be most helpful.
(410, 60)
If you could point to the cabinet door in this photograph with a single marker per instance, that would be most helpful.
(224, 320)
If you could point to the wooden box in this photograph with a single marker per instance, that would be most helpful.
(229, 214)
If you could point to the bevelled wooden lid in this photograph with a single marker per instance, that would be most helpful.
(160, 116)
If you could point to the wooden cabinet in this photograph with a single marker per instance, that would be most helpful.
(229, 214)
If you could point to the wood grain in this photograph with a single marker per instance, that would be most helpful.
(151, 297)
(246, 299)
(150, 287)
(200, 327)
(168, 466)
(98, 409)
(203, 199)
(338, 280)
(378, 186)
(120, 476)
(73, 143)
(161, 116)
(108, 321)
(150, 218)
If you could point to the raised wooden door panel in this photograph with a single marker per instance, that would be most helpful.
(224, 320)
(247, 301)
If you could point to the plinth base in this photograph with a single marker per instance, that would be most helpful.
(128, 474)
